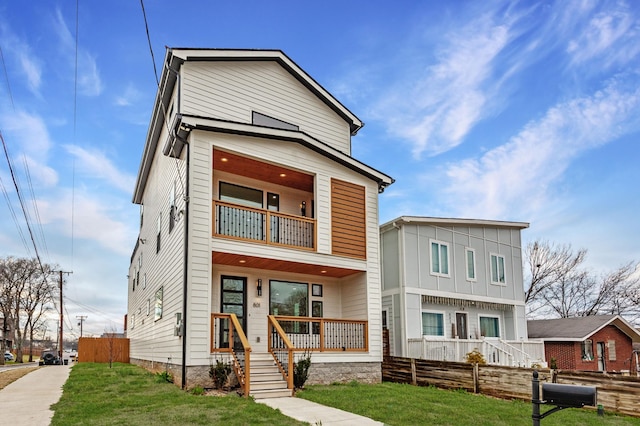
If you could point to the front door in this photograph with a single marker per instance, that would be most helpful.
(600, 355)
(233, 301)
(461, 325)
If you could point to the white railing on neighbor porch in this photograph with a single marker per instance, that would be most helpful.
(513, 353)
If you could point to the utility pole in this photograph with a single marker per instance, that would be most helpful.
(81, 318)
(61, 343)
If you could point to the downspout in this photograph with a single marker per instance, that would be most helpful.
(185, 276)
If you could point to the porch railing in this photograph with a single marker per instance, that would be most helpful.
(228, 337)
(288, 334)
(266, 226)
(499, 352)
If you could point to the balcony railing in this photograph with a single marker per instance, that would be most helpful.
(266, 226)
(227, 336)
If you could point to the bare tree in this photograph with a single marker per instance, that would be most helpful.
(560, 286)
(24, 295)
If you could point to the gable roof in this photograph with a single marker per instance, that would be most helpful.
(174, 59)
(578, 329)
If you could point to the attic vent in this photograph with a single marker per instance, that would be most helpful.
(264, 120)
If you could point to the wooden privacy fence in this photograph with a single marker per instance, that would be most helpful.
(103, 349)
(615, 393)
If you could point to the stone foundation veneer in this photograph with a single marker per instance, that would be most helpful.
(319, 373)
(327, 373)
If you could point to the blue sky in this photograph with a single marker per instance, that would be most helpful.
(525, 112)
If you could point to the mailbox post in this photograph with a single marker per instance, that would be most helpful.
(562, 396)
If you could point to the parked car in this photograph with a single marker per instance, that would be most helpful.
(8, 356)
(49, 358)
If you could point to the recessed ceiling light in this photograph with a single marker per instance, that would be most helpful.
(224, 159)
(323, 272)
(242, 261)
(283, 175)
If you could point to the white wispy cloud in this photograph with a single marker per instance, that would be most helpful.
(89, 80)
(129, 96)
(96, 164)
(18, 50)
(609, 36)
(440, 103)
(518, 175)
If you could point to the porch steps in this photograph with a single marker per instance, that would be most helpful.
(266, 379)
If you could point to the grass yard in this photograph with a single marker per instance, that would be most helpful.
(400, 404)
(129, 395)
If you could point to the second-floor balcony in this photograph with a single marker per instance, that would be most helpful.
(263, 226)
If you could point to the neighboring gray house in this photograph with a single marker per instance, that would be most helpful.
(452, 285)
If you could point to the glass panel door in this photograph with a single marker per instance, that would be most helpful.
(233, 301)
(461, 325)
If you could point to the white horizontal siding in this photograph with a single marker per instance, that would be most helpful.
(232, 90)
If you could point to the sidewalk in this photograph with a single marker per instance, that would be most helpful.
(26, 401)
(316, 414)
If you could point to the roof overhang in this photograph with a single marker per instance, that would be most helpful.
(280, 265)
(439, 221)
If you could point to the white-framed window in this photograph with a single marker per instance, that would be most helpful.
(498, 275)
(432, 324)
(489, 326)
(141, 214)
(144, 281)
(132, 323)
(439, 258)
(587, 350)
(158, 305)
(172, 207)
(148, 307)
(470, 259)
(158, 229)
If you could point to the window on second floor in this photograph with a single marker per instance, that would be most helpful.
(158, 228)
(141, 214)
(497, 269)
(432, 324)
(172, 207)
(470, 255)
(240, 195)
(439, 258)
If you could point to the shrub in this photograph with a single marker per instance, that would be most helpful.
(475, 357)
(163, 377)
(553, 364)
(198, 390)
(219, 373)
(301, 370)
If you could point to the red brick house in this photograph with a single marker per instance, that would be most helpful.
(593, 343)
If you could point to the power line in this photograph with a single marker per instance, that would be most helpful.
(14, 217)
(146, 26)
(6, 74)
(35, 207)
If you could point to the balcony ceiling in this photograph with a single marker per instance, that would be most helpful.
(218, 258)
(254, 169)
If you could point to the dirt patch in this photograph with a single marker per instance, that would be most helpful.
(9, 376)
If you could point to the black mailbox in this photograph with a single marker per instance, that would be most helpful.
(569, 395)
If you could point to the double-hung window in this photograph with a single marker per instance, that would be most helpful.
(497, 269)
(439, 258)
(432, 324)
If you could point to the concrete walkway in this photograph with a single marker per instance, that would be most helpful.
(26, 401)
(316, 414)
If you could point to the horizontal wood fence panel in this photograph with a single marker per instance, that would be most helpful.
(620, 394)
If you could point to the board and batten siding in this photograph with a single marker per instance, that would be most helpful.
(232, 90)
(152, 339)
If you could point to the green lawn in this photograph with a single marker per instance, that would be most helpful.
(126, 394)
(400, 404)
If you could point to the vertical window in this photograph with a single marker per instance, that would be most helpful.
(471, 264)
(316, 312)
(439, 258)
(587, 350)
(141, 214)
(497, 269)
(158, 305)
(290, 299)
(490, 326)
(432, 324)
(158, 227)
(133, 280)
(273, 202)
(172, 207)
(612, 350)
(148, 307)
(240, 195)
(133, 322)
(144, 281)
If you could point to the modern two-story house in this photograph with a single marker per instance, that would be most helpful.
(259, 235)
(454, 285)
